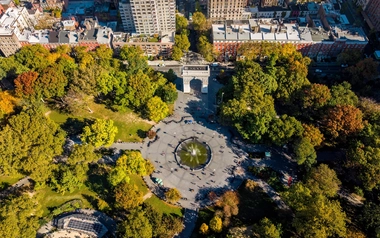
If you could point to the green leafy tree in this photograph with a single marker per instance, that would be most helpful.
(132, 162)
(180, 23)
(341, 94)
(66, 180)
(177, 53)
(182, 42)
(157, 109)
(322, 218)
(168, 93)
(366, 159)
(313, 134)
(100, 133)
(134, 57)
(137, 91)
(19, 216)
(51, 83)
(205, 48)
(370, 218)
(323, 180)
(305, 153)
(128, 196)
(28, 144)
(216, 224)
(117, 176)
(82, 154)
(281, 130)
(315, 215)
(266, 229)
(173, 195)
(199, 22)
(136, 225)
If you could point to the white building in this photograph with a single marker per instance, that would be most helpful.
(148, 17)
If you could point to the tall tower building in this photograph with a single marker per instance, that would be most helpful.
(373, 12)
(148, 16)
(225, 9)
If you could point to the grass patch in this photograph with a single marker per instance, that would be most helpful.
(163, 207)
(9, 180)
(139, 182)
(50, 199)
(131, 128)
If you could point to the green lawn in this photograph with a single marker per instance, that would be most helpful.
(50, 199)
(131, 128)
(10, 179)
(139, 182)
(163, 207)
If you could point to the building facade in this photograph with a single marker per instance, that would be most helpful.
(372, 11)
(226, 9)
(148, 17)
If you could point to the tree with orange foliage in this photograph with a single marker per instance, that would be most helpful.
(343, 120)
(25, 83)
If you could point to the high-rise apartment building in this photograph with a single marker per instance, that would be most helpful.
(372, 10)
(148, 16)
(226, 9)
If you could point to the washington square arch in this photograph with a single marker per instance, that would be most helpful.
(196, 73)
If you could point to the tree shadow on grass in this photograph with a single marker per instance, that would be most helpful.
(74, 126)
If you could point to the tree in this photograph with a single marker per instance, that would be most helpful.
(203, 229)
(342, 121)
(370, 218)
(168, 93)
(305, 153)
(229, 204)
(135, 226)
(266, 229)
(134, 56)
(315, 215)
(34, 57)
(313, 134)
(137, 91)
(19, 216)
(216, 224)
(25, 84)
(180, 23)
(177, 53)
(205, 48)
(51, 83)
(100, 133)
(366, 159)
(82, 154)
(7, 103)
(132, 162)
(341, 94)
(128, 196)
(350, 57)
(182, 42)
(314, 96)
(28, 144)
(282, 129)
(173, 195)
(199, 22)
(65, 180)
(157, 109)
(323, 180)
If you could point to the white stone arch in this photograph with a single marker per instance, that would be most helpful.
(190, 72)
